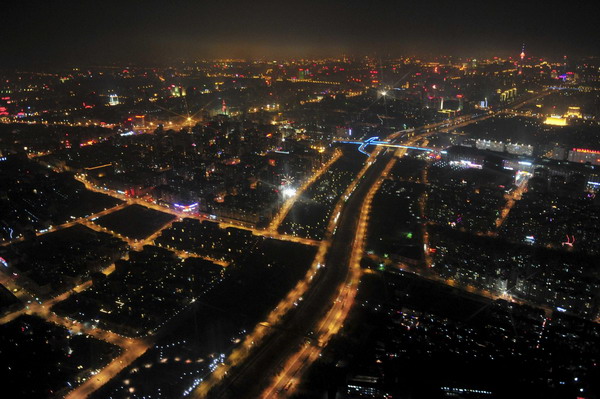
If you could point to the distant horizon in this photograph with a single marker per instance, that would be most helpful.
(69, 32)
(296, 59)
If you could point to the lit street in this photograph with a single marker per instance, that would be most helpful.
(349, 200)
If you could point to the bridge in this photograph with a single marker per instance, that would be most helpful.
(375, 141)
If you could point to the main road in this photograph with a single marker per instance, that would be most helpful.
(274, 365)
(299, 325)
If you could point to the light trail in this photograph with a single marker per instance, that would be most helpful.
(262, 329)
(511, 200)
(285, 383)
(335, 317)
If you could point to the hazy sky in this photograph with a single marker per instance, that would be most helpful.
(86, 32)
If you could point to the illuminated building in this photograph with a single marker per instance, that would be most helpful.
(573, 112)
(365, 386)
(177, 91)
(465, 156)
(113, 99)
(507, 95)
(557, 153)
(556, 120)
(489, 145)
(583, 155)
(187, 208)
(519, 149)
(499, 146)
(224, 107)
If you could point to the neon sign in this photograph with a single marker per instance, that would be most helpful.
(585, 150)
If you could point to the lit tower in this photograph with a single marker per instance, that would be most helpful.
(522, 59)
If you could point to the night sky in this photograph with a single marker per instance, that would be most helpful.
(102, 32)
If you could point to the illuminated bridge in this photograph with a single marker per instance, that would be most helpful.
(375, 141)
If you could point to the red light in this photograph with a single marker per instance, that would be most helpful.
(586, 151)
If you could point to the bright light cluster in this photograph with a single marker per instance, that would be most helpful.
(289, 192)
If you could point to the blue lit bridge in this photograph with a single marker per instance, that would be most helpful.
(362, 145)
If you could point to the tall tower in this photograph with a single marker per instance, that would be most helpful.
(522, 55)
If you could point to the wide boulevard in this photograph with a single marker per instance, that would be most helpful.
(297, 328)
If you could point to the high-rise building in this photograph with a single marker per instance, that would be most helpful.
(113, 99)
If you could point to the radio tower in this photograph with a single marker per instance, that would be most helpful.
(522, 59)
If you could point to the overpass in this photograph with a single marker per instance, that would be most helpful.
(375, 141)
